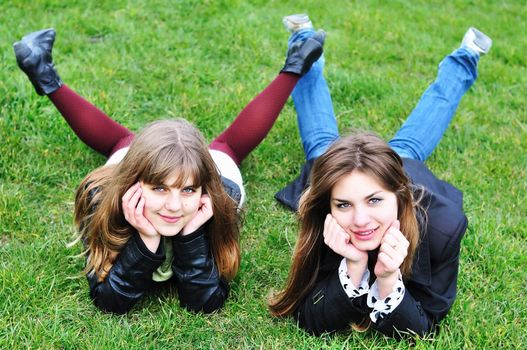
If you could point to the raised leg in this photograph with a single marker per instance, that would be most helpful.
(316, 119)
(34, 56)
(255, 121)
(424, 128)
(90, 124)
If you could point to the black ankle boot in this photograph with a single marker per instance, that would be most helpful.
(302, 55)
(33, 55)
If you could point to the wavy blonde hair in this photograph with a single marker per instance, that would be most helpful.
(370, 155)
(163, 148)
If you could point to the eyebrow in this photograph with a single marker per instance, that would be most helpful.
(366, 197)
(185, 184)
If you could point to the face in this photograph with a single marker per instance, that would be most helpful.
(363, 208)
(169, 208)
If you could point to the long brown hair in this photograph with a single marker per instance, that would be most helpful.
(370, 155)
(162, 148)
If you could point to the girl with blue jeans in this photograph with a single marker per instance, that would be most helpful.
(420, 133)
(380, 235)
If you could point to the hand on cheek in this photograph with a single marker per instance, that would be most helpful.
(339, 241)
(133, 205)
(393, 251)
(203, 215)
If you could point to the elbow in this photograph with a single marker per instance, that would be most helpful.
(111, 302)
(401, 330)
(212, 306)
(116, 308)
(416, 331)
(204, 302)
(308, 328)
(309, 325)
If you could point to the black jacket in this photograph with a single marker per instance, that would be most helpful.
(196, 276)
(430, 290)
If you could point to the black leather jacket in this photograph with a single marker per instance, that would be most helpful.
(196, 276)
(197, 280)
(430, 290)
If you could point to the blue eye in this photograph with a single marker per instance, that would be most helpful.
(343, 205)
(188, 190)
(375, 200)
(158, 188)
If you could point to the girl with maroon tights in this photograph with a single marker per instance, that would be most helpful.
(164, 207)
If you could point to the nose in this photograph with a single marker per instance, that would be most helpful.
(173, 202)
(361, 217)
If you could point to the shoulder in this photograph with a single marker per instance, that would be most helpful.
(445, 228)
(444, 222)
(442, 227)
(420, 175)
(441, 201)
(443, 213)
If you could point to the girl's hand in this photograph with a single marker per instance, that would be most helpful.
(133, 205)
(203, 215)
(339, 241)
(393, 251)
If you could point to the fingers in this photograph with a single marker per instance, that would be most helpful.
(130, 200)
(140, 206)
(205, 200)
(395, 242)
(394, 238)
(394, 248)
(133, 206)
(203, 214)
(130, 192)
(389, 264)
(335, 237)
(333, 232)
(206, 206)
(338, 240)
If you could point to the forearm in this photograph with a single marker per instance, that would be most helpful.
(355, 271)
(108, 296)
(408, 317)
(430, 293)
(200, 287)
(327, 308)
(386, 284)
(128, 279)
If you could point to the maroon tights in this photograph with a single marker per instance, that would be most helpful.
(250, 127)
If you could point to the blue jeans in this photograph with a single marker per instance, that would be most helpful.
(419, 134)
(316, 120)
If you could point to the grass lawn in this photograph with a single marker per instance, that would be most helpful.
(204, 60)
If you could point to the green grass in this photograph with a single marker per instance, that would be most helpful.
(204, 60)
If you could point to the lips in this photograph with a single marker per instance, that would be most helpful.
(170, 219)
(364, 235)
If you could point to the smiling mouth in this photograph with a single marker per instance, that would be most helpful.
(170, 219)
(365, 235)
